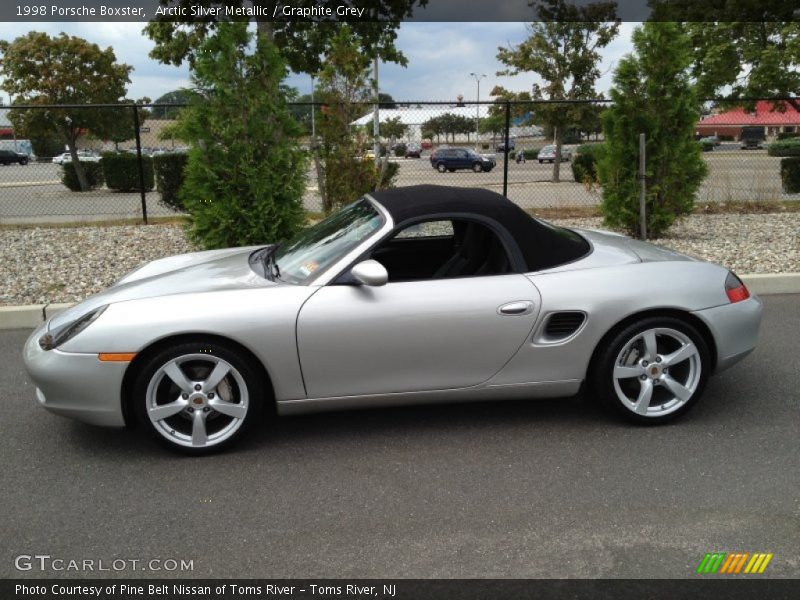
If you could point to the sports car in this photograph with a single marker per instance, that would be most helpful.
(409, 295)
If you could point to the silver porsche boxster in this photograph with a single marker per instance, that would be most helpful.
(410, 295)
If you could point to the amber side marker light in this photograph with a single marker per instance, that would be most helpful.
(116, 356)
(735, 289)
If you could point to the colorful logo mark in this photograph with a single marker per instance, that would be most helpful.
(733, 563)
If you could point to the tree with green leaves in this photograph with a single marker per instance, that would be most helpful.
(120, 126)
(37, 69)
(562, 50)
(393, 129)
(179, 96)
(246, 173)
(746, 60)
(344, 87)
(740, 48)
(652, 94)
(302, 42)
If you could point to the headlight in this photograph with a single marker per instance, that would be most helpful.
(53, 339)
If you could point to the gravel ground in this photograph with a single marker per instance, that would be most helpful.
(65, 265)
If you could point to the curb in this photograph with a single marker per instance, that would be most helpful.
(32, 315)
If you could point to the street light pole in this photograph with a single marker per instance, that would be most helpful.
(477, 106)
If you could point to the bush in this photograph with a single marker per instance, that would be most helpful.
(790, 147)
(400, 150)
(787, 135)
(790, 174)
(93, 171)
(584, 163)
(707, 146)
(121, 171)
(726, 138)
(169, 178)
(530, 153)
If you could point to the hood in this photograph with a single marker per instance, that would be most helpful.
(207, 271)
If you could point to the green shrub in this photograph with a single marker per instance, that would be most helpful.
(706, 146)
(93, 171)
(726, 138)
(121, 171)
(790, 174)
(400, 150)
(790, 147)
(584, 163)
(532, 153)
(787, 135)
(169, 178)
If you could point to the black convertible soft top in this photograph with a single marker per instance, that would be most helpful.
(542, 245)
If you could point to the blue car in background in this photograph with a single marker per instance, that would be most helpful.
(452, 159)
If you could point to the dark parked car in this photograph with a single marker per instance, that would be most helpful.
(752, 138)
(512, 145)
(9, 156)
(451, 159)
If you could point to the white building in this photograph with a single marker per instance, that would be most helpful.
(415, 117)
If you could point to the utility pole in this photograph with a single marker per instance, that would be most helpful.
(477, 107)
(376, 123)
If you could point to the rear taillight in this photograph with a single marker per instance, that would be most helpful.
(735, 289)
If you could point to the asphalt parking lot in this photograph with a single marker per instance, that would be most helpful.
(542, 489)
(33, 193)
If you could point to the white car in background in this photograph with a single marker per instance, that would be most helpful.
(82, 156)
(548, 154)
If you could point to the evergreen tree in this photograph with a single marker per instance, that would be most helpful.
(246, 173)
(652, 94)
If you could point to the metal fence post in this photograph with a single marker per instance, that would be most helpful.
(139, 161)
(505, 148)
(642, 192)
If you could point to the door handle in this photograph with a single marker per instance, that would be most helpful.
(522, 307)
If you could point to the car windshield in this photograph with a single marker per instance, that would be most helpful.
(549, 149)
(319, 246)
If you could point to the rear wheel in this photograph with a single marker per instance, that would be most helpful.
(199, 397)
(441, 168)
(653, 370)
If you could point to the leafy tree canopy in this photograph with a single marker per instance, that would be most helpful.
(302, 42)
(38, 69)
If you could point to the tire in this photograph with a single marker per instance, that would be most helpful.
(441, 168)
(674, 379)
(23, 162)
(204, 420)
(477, 167)
(451, 170)
(541, 161)
(488, 169)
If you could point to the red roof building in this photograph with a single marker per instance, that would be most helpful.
(764, 115)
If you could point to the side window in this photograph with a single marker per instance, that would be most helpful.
(443, 249)
(427, 229)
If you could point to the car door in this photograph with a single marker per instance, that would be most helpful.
(412, 335)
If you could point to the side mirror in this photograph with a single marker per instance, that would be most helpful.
(370, 272)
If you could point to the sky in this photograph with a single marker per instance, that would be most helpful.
(441, 57)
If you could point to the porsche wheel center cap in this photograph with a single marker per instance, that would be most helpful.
(654, 371)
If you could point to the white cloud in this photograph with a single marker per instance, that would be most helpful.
(441, 57)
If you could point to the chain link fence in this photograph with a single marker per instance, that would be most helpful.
(497, 146)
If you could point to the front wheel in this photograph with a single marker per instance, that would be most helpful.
(653, 370)
(477, 167)
(199, 397)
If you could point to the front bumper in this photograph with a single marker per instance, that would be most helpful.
(735, 329)
(75, 385)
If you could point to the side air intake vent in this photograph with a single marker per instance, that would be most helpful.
(561, 325)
